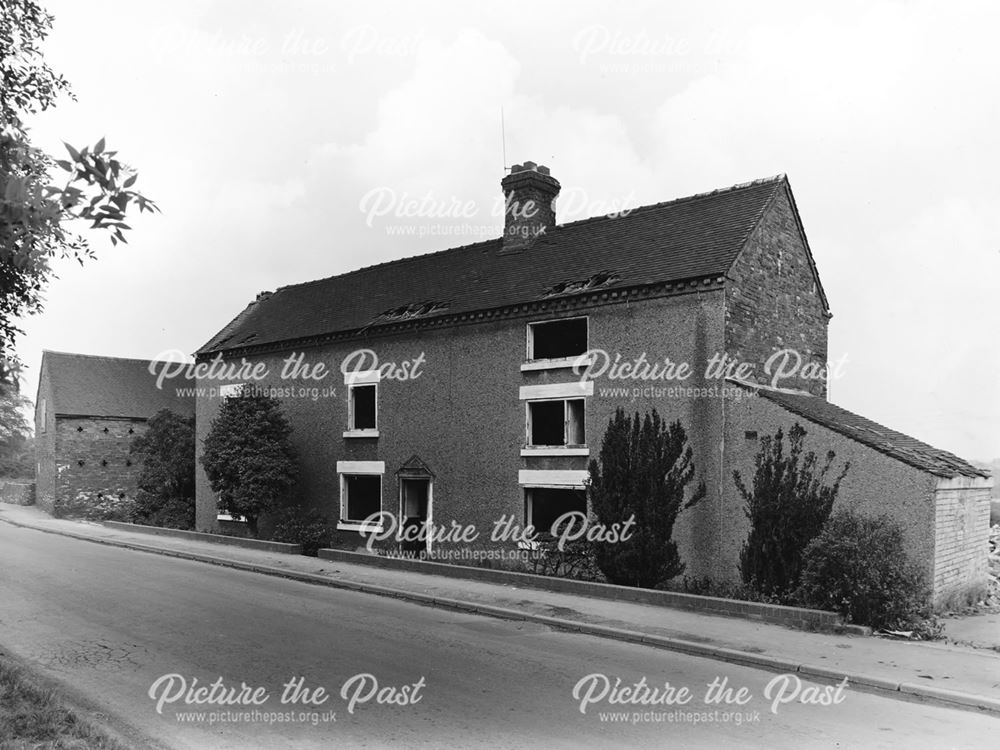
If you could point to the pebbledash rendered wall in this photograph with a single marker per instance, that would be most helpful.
(463, 417)
(945, 521)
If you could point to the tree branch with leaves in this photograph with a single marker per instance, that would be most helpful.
(38, 210)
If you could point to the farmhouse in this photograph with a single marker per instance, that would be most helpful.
(87, 412)
(498, 417)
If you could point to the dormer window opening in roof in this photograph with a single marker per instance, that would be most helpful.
(414, 310)
(596, 281)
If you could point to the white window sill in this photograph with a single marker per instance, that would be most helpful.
(358, 526)
(556, 450)
(557, 364)
(360, 433)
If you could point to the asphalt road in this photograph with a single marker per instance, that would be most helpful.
(109, 623)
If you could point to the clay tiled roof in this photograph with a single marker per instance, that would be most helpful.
(85, 385)
(688, 238)
(894, 444)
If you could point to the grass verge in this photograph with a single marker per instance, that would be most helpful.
(33, 716)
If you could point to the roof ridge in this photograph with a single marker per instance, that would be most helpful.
(101, 356)
(776, 179)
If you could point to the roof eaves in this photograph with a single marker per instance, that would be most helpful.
(81, 415)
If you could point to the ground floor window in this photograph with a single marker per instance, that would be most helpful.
(543, 505)
(361, 497)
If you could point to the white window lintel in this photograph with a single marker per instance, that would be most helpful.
(574, 389)
(361, 467)
(362, 377)
(575, 478)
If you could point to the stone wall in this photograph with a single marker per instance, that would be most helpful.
(773, 299)
(17, 493)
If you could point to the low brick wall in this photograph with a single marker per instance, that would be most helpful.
(198, 536)
(805, 619)
(17, 493)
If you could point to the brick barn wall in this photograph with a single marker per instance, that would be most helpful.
(45, 445)
(876, 484)
(464, 419)
(773, 301)
(961, 534)
(84, 438)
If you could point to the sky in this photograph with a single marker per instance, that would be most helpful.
(291, 141)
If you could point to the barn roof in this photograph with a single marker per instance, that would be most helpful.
(92, 386)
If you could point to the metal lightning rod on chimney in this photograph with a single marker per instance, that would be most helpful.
(503, 140)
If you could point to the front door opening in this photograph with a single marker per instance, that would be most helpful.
(414, 513)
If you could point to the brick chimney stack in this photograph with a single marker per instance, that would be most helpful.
(530, 195)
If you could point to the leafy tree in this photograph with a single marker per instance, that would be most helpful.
(249, 458)
(165, 495)
(16, 444)
(787, 506)
(644, 469)
(36, 210)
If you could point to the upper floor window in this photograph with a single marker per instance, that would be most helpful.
(558, 339)
(556, 422)
(362, 403)
(42, 414)
(363, 411)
